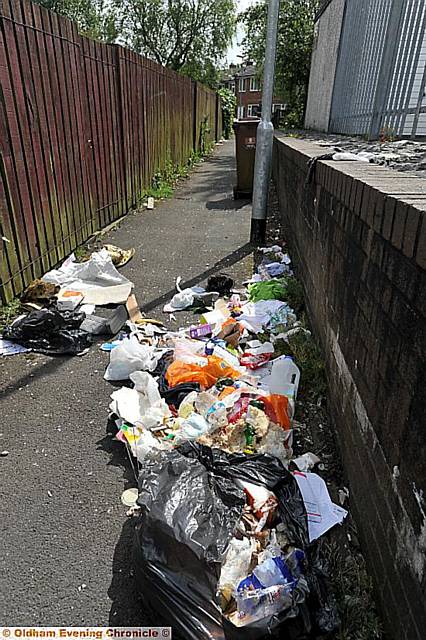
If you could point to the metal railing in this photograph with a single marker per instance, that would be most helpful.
(380, 80)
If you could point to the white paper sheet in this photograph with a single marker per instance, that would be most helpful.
(322, 513)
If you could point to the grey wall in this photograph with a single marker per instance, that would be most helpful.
(323, 67)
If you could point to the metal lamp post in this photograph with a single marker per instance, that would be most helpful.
(265, 132)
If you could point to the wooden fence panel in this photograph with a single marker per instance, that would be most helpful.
(84, 129)
(103, 131)
(205, 116)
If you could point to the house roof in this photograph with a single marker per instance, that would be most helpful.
(249, 70)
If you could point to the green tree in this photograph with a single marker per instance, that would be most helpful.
(229, 106)
(294, 49)
(94, 18)
(189, 36)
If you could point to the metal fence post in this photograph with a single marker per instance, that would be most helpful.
(419, 104)
(387, 66)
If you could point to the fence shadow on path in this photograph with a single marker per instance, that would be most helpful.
(226, 204)
(126, 607)
(225, 262)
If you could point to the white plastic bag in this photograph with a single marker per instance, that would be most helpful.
(142, 405)
(237, 563)
(147, 443)
(189, 351)
(130, 356)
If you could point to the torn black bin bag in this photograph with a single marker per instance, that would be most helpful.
(268, 471)
(176, 395)
(187, 519)
(189, 509)
(50, 331)
(221, 282)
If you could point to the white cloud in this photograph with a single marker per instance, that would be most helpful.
(235, 49)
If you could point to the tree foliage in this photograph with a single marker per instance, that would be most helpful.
(294, 48)
(93, 17)
(229, 105)
(190, 36)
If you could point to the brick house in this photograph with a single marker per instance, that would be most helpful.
(243, 80)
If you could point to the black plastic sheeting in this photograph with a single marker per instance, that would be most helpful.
(50, 331)
(176, 395)
(222, 283)
(190, 506)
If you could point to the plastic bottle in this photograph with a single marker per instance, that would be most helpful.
(216, 416)
(285, 377)
(268, 573)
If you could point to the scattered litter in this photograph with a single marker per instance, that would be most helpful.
(109, 346)
(185, 298)
(228, 518)
(219, 513)
(40, 292)
(129, 356)
(50, 331)
(129, 497)
(9, 348)
(119, 257)
(321, 512)
(133, 309)
(218, 315)
(268, 290)
(257, 315)
(150, 203)
(88, 309)
(306, 462)
(343, 495)
(222, 283)
(110, 326)
(68, 299)
(97, 279)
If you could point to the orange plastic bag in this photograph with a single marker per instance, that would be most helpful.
(206, 376)
(276, 408)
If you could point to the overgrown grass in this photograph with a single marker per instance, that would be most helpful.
(354, 592)
(308, 357)
(165, 181)
(295, 295)
(8, 312)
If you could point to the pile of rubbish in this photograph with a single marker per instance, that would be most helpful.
(60, 317)
(229, 523)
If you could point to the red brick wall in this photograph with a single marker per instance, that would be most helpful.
(357, 235)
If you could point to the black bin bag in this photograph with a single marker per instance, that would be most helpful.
(190, 507)
(187, 520)
(50, 331)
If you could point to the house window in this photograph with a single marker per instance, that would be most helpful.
(241, 85)
(253, 110)
(278, 107)
(254, 84)
(240, 112)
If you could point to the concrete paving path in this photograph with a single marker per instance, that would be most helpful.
(65, 538)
